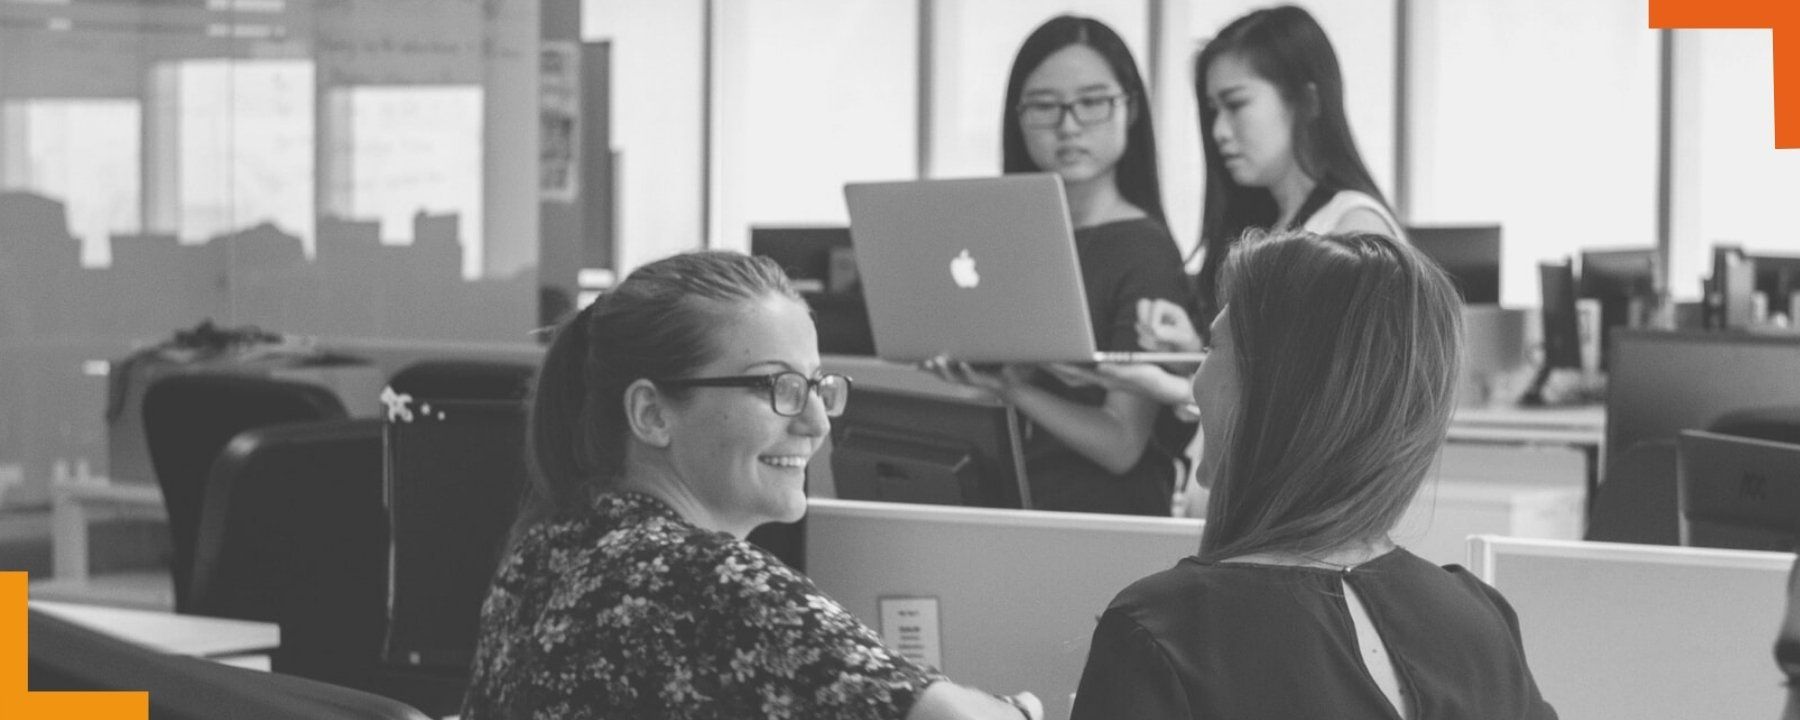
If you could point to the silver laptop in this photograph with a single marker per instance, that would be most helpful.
(980, 270)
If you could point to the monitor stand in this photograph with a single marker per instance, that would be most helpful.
(1564, 387)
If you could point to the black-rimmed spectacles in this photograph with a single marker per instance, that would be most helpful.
(1089, 110)
(787, 390)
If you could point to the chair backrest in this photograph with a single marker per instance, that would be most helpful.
(1636, 503)
(292, 531)
(66, 656)
(456, 471)
(1617, 630)
(1777, 424)
(189, 418)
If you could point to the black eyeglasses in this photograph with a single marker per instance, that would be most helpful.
(787, 390)
(1090, 110)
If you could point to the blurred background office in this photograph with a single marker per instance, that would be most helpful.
(375, 182)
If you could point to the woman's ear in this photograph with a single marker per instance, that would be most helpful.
(646, 412)
(1313, 107)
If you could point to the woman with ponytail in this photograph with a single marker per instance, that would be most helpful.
(670, 418)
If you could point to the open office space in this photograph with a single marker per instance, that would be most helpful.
(275, 276)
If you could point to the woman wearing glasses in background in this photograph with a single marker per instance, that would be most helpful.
(670, 418)
(1077, 107)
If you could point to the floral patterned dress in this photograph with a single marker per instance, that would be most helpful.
(632, 612)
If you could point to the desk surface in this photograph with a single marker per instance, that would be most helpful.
(1579, 425)
(167, 632)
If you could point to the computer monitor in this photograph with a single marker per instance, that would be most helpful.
(1623, 281)
(805, 252)
(1469, 253)
(1561, 327)
(897, 446)
(1778, 278)
(820, 263)
(1738, 492)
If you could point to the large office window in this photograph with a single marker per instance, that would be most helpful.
(1730, 184)
(417, 150)
(85, 151)
(360, 168)
(658, 122)
(808, 95)
(243, 146)
(1540, 115)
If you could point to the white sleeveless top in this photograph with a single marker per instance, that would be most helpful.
(1332, 212)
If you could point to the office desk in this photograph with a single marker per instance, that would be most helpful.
(237, 642)
(1582, 427)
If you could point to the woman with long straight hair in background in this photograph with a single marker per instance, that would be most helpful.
(1324, 402)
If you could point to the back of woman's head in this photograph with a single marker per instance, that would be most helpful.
(1287, 47)
(658, 324)
(1136, 173)
(1348, 349)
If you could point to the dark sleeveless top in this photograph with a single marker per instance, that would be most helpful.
(1121, 262)
(1210, 640)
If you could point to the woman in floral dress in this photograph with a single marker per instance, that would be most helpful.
(671, 417)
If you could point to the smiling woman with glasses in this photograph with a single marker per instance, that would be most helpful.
(670, 418)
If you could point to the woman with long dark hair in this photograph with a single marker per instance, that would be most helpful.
(1276, 140)
(1077, 107)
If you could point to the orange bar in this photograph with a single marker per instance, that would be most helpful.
(16, 700)
(1718, 14)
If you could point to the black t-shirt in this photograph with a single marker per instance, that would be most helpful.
(1121, 263)
(1211, 640)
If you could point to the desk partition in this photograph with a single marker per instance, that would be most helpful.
(1017, 592)
(1615, 630)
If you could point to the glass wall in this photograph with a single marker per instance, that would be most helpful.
(334, 168)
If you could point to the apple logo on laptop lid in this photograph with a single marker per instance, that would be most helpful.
(962, 271)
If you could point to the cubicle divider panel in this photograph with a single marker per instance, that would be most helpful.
(1617, 630)
(1017, 592)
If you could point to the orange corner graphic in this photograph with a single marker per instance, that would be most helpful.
(17, 700)
(1780, 17)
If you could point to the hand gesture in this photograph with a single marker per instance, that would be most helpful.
(1164, 327)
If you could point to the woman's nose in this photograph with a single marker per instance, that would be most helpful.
(812, 421)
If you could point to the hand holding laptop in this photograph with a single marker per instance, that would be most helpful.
(999, 379)
(1144, 379)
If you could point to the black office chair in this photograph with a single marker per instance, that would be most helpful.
(1637, 502)
(292, 532)
(188, 419)
(1775, 424)
(456, 473)
(66, 657)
